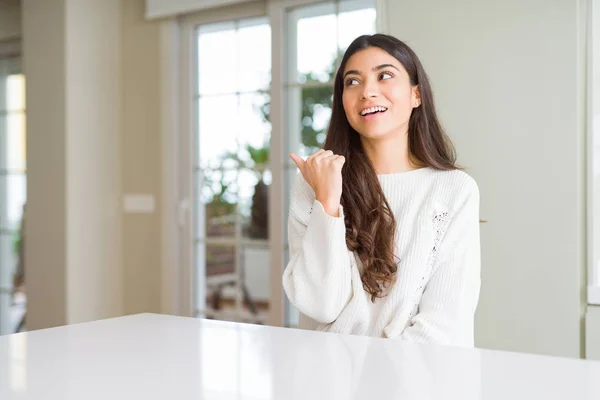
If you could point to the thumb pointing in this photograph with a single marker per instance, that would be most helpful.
(298, 160)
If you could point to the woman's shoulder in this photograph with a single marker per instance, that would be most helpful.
(455, 186)
(456, 178)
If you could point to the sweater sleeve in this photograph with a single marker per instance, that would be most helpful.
(317, 279)
(446, 310)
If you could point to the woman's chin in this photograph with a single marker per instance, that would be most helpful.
(373, 133)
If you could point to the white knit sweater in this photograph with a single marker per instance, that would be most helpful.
(437, 288)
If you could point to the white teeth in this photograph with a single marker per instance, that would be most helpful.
(372, 110)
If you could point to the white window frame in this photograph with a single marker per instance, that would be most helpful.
(593, 156)
(177, 116)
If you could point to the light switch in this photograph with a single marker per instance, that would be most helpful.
(138, 203)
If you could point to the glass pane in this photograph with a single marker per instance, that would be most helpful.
(308, 118)
(234, 67)
(199, 209)
(254, 203)
(355, 20)
(199, 286)
(217, 59)
(254, 58)
(6, 326)
(220, 277)
(9, 251)
(316, 43)
(12, 193)
(255, 268)
(219, 196)
(219, 260)
(11, 314)
(15, 92)
(255, 130)
(12, 142)
(292, 315)
(218, 131)
(289, 177)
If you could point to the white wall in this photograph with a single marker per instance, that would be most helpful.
(508, 83)
(73, 251)
(93, 71)
(141, 168)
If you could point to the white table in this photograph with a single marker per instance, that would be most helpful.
(151, 356)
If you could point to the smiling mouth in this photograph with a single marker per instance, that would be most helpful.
(372, 111)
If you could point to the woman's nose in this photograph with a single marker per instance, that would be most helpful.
(370, 90)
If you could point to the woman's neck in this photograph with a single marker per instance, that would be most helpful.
(389, 154)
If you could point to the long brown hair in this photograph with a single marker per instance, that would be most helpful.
(370, 224)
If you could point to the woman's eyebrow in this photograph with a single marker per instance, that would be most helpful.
(377, 68)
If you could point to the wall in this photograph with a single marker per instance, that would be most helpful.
(141, 170)
(10, 19)
(44, 61)
(93, 159)
(508, 83)
(73, 251)
(161, 8)
(93, 135)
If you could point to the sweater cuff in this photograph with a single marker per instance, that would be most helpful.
(317, 208)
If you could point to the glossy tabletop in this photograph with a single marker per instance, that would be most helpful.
(149, 356)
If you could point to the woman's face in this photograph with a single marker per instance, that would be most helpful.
(378, 98)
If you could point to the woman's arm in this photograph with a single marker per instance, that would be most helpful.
(447, 307)
(317, 278)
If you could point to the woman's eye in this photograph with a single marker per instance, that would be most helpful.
(385, 75)
(351, 82)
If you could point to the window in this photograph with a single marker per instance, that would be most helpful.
(233, 174)
(12, 190)
(593, 155)
(232, 177)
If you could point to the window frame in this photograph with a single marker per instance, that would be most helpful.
(592, 154)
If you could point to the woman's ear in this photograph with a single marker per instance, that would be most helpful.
(416, 96)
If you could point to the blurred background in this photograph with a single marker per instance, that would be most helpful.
(144, 168)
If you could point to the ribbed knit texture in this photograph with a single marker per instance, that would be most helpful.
(437, 285)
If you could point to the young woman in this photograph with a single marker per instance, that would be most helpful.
(383, 226)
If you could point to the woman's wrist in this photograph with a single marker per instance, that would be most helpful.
(332, 208)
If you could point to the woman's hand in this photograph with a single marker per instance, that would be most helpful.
(323, 172)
